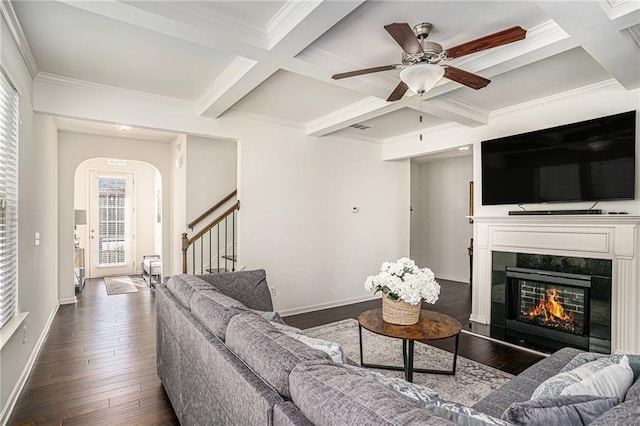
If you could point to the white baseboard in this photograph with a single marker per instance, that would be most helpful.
(479, 318)
(311, 308)
(68, 301)
(15, 393)
(464, 280)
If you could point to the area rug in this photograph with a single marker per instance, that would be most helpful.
(120, 285)
(472, 381)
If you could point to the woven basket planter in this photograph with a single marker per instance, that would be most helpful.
(400, 312)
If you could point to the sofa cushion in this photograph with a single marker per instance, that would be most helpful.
(521, 387)
(183, 287)
(609, 376)
(214, 310)
(271, 354)
(561, 410)
(248, 287)
(330, 394)
(428, 398)
(633, 392)
(625, 414)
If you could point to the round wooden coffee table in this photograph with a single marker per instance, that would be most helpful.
(430, 326)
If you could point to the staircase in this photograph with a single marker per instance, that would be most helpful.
(212, 248)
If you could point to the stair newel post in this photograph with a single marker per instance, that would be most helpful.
(185, 247)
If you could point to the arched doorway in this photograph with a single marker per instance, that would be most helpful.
(121, 202)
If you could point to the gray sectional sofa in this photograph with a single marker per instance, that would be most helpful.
(222, 362)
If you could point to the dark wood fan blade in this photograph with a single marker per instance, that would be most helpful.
(487, 42)
(465, 77)
(364, 71)
(398, 92)
(404, 36)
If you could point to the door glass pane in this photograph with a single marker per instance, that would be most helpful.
(111, 223)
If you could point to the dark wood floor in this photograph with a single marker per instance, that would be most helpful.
(454, 300)
(98, 363)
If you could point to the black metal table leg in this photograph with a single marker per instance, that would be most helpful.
(360, 337)
(409, 366)
(408, 348)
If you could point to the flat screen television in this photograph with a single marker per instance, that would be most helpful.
(592, 160)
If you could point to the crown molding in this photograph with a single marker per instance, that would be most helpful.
(287, 18)
(590, 89)
(9, 15)
(225, 81)
(58, 80)
(233, 22)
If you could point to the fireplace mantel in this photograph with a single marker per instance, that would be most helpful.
(614, 237)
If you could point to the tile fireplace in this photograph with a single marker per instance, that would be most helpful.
(550, 309)
(557, 281)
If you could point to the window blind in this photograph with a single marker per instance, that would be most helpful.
(8, 199)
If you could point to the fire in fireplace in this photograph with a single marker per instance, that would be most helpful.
(549, 312)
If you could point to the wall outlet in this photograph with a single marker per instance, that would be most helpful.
(36, 239)
(24, 334)
(273, 291)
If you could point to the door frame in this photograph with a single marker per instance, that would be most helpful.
(128, 268)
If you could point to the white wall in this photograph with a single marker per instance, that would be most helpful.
(75, 148)
(145, 202)
(440, 232)
(37, 212)
(297, 193)
(211, 173)
(178, 206)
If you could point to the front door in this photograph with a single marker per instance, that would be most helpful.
(111, 224)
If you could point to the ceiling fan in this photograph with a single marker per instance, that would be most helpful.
(421, 68)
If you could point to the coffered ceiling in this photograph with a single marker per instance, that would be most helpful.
(275, 59)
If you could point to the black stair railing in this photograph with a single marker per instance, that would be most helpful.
(213, 248)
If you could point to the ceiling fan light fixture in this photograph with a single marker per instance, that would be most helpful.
(421, 77)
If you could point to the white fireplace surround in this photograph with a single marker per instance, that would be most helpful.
(612, 237)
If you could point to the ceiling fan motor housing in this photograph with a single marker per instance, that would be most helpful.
(431, 50)
(431, 55)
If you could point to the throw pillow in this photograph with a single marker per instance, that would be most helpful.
(605, 377)
(334, 350)
(421, 394)
(562, 410)
(269, 316)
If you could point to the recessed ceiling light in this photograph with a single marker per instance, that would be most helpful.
(464, 148)
(123, 128)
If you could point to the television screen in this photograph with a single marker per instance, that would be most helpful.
(592, 160)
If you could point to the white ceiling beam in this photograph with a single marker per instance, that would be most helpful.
(310, 23)
(612, 48)
(455, 110)
(357, 112)
(231, 39)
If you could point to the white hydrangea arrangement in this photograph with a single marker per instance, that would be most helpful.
(403, 280)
